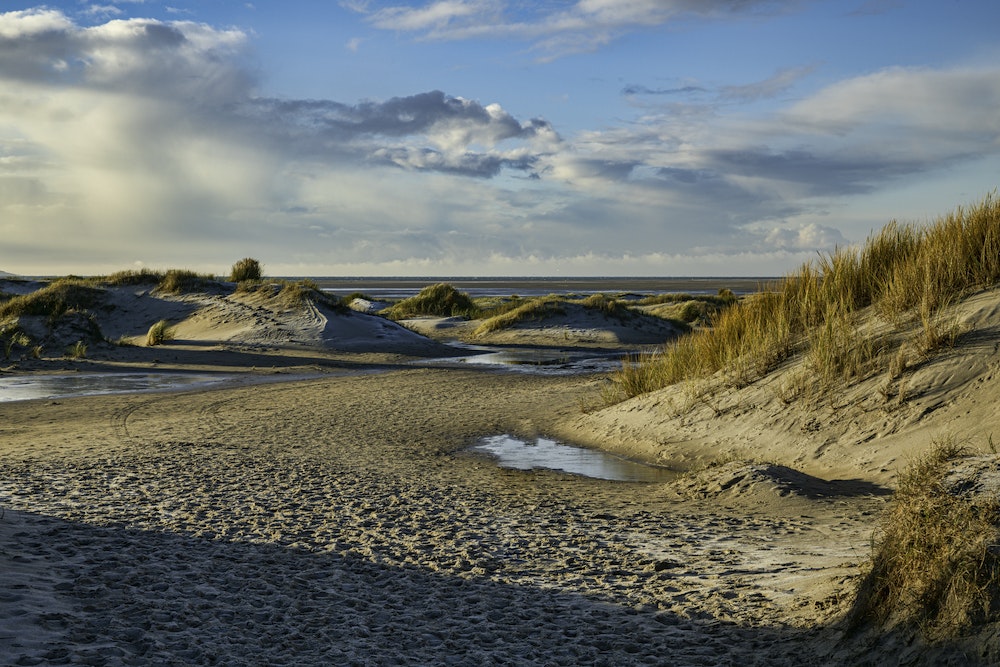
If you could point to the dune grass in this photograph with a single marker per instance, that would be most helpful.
(935, 563)
(902, 272)
(159, 333)
(173, 281)
(529, 310)
(53, 300)
(440, 300)
(12, 337)
(246, 269)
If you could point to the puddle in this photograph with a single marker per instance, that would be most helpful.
(511, 452)
(540, 360)
(28, 387)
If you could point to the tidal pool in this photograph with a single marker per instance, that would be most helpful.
(511, 452)
(28, 387)
(542, 361)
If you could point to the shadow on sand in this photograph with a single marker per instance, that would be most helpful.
(116, 595)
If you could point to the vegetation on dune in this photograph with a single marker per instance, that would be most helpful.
(180, 281)
(68, 304)
(688, 308)
(903, 273)
(246, 269)
(530, 310)
(77, 350)
(159, 333)
(289, 294)
(608, 306)
(174, 281)
(935, 563)
(297, 294)
(516, 310)
(132, 277)
(52, 301)
(13, 337)
(440, 300)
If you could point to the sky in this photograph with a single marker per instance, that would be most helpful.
(486, 137)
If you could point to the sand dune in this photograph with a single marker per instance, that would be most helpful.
(338, 519)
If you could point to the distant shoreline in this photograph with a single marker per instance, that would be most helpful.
(544, 285)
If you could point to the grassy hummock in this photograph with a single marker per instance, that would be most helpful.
(441, 300)
(935, 565)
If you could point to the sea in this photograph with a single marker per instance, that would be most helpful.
(391, 288)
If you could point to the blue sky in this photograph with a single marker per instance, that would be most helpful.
(486, 137)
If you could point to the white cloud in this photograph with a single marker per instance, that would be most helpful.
(957, 102)
(554, 29)
(434, 16)
(30, 22)
(153, 134)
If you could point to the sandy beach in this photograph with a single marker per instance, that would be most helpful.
(336, 517)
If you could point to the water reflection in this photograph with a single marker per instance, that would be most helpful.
(542, 361)
(511, 452)
(28, 387)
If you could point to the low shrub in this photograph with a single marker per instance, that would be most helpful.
(11, 336)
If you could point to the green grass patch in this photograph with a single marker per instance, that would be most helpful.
(77, 350)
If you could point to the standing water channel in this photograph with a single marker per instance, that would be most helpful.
(511, 452)
(28, 387)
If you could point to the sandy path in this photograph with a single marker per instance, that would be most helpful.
(336, 521)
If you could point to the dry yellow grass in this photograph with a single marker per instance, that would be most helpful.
(900, 272)
(935, 561)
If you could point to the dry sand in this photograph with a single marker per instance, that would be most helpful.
(338, 519)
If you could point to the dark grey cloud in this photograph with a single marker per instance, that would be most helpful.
(396, 117)
(818, 173)
(467, 164)
(767, 88)
(451, 125)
